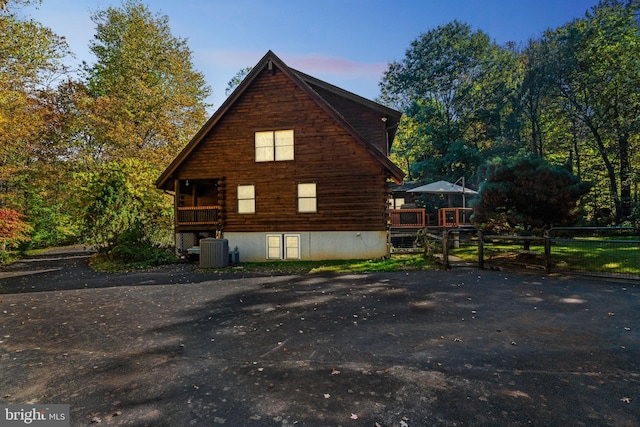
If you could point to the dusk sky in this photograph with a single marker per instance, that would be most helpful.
(345, 42)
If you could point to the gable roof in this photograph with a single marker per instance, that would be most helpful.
(324, 94)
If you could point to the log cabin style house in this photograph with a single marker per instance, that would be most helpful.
(289, 167)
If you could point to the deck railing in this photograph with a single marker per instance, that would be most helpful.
(198, 215)
(408, 218)
(454, 217)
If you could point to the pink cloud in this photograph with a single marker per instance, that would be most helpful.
(312, 64)
(323, 64)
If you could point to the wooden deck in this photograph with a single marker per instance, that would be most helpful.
(418, 218)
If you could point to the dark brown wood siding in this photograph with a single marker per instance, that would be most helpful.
(365, 120)
(350, 181)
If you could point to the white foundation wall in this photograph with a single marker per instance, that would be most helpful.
(316, 245)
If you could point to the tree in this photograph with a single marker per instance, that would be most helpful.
(596, 76)
(115, 199)
(527, 194)
(140, 104)
(30, 59)
(31, 65)
(13, 229)
(236, 80)
(149, 100)
(457, 88)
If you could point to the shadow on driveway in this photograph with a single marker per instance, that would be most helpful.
(461, 347)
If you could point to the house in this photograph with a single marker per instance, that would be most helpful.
(289, 167)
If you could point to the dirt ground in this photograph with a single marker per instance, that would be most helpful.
(175, 347)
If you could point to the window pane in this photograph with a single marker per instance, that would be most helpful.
(307, 197)
(264, 146)
(246, 199)
(292, 247)
(246, 192)
(284, 137)
(284, 144)
(307, 205)
(273, 247)
(264, 154)
(307, 190)
(246, 206)
(264, 139)
(284, 153)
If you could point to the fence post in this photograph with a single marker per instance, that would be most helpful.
(547, 251)
(445, 249)
(480, 250)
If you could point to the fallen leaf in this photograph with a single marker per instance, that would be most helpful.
(626, 399)
(334, 372)
(327, 395)
(354, 417)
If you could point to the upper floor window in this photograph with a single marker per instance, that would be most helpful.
(307, 199)
(274, 145)
(246, 199)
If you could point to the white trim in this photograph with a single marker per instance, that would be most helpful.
(268, 248)
(286, 247)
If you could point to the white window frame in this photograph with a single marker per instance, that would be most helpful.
(287, 248)
(307, 197)
(246, 204)
(274, 145)
(283, 250)
(278, 239)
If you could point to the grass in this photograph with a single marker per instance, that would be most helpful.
(597, 257)
(404, 262)
(586, 255)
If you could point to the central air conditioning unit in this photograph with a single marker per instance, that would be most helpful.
(214, 253)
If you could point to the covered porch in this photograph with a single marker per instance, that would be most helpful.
(197, 205)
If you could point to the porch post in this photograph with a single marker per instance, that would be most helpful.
(176, 202)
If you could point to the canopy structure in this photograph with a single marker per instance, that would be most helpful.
(445, 187)
(442, 187)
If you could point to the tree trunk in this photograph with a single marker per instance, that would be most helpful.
(611, 173)
(625, 179)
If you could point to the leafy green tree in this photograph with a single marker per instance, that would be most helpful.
(457, 88)
(115, 199)
(31, 64)
(527, 194)
(142, 99)
(149, 101)
(596, 76)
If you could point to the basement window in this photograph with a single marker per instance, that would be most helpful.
(283, 246)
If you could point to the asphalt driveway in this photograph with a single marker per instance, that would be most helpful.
(175, 347)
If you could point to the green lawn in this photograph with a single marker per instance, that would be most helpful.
(595, 255)
(403, 262)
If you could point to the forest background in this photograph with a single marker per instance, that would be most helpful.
(79, 152)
